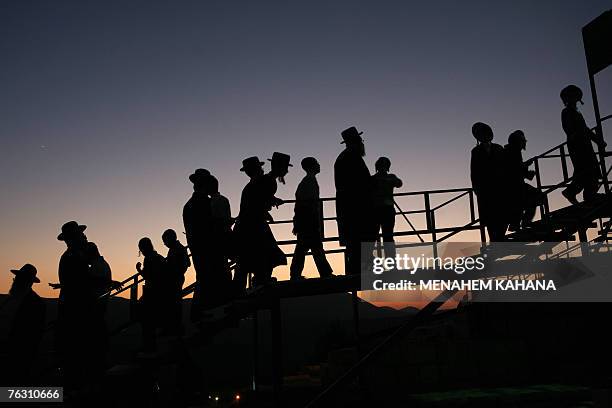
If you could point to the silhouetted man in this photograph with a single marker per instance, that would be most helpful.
(489, 181)
(250, 217)
(579, 137)
(221, 230)
(197, 219)
(258, 252)
(353, 200)
(384, 205)
(23, 312)
(80, 323)
(523, 198)
(220, 207)
(177, 263)
(273, 255)
(307, 222)
(100, 273)
(155, 297)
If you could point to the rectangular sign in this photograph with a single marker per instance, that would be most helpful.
(597, 37)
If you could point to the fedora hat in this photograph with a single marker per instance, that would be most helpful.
(351, 135)
(28, 271)
(281, 158)
(199, 175)
(70, 229)
(251, 162)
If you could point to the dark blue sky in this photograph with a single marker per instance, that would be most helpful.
(107, 106)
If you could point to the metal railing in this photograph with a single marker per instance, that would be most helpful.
(432, 232)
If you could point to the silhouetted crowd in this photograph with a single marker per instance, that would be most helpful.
(505, 200)
(219, 244)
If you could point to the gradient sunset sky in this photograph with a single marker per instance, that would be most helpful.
(108, 106)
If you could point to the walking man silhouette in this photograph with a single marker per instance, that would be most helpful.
(308, 222)
(353, 200)
(154, 271)
(523, 198)
(579, 144)
(221, 229)
(384, 206)
(100, 273)
(258, 252)
(177, 263)
(197, 219)
(489, 181)
(23, 313)
(80, 321)
(250, 217)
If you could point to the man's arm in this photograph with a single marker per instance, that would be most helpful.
(397, 182)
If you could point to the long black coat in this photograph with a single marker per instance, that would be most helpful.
(257, 247)
(579, 143)
(489, 181)
(197, 219)
(353, 198)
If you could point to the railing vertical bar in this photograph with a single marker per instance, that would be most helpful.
(472, 212)
(134, 298)
(544, 205)
(427, 211)
(564, 163)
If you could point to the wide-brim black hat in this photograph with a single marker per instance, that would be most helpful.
(251, 162)
(70, 228)
(199, 175)
(571, 92)
(482, 132)
(351, 135)
(27, 270)
(281, 158)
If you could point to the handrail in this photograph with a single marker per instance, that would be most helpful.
(450, 201)
(135, 279)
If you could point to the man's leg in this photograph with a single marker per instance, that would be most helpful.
(387, 226)
(299, 255)
(497, 231)
(318, 254)
(574, 187)
(591, 185)
(197, 301)
(533, 198)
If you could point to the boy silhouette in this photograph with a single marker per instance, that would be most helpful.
(579, 137)
(307, 222)
(384, 207)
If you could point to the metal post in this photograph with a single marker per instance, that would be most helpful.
(345, 261)
(544, 205)
(356, 319)
(321, 218)
(431, 223)
(134, 298)
(563, 163)
(483, 235)
(472, 212)
(584, 241)
(356, 327)
(601, 151)
(277, 352)
(427, 211)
